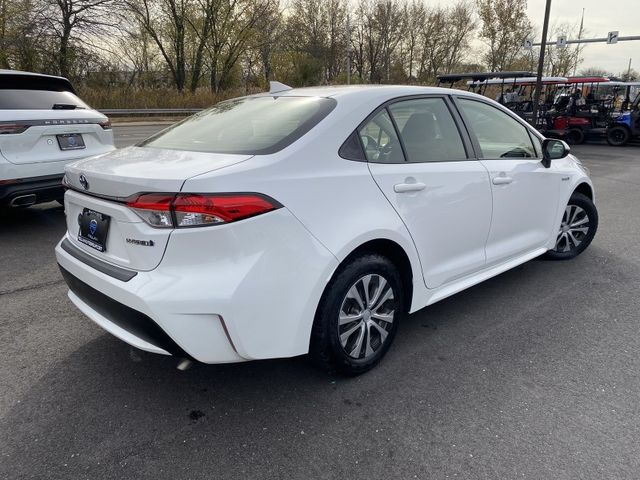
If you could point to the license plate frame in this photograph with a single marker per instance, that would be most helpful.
(93, 229)
(70, 141)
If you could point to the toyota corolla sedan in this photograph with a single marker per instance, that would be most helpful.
(313, 221)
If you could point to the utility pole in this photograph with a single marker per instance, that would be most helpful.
(543, 47)
(575, 65)
(629, 71)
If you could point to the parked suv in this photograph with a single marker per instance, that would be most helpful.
(313, 220)
(43, 126)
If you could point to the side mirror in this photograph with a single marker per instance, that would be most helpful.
(553, 149)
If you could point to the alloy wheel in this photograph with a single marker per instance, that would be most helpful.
(573, 229)
(366, 316)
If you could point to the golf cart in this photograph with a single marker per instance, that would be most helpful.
(625, 125)
(478, 82)
(577, 111)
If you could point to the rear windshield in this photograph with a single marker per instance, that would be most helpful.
(13, 99)
(248, 125)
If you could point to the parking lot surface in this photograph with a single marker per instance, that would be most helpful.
(532, 374)
(129, 134)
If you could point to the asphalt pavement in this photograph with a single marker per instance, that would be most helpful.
(126, 134)
(532, 374)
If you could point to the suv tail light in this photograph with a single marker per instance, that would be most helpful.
(106, 125)
(168, 210)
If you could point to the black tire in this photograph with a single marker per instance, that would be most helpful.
(575, 136)
(618, 135)
(571, 242)
(326, 349)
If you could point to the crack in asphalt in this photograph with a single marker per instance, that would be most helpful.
(31, 287)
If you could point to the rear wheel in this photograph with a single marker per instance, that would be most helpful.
(618, 135)
(358, 316)
(575, 136)
(577, 229)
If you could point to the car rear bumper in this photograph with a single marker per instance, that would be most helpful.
(233, 293)
(44, 189)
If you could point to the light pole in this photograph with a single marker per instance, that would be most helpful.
(543, 47)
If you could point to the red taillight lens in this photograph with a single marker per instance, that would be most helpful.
(106, 125)
(197, 210)
(194, 209)
(12, 128)
(153, 208)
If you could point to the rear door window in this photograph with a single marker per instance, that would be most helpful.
(427, 130)
(18, 99)
(380, 141)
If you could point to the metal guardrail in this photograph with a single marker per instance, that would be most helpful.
(145, 112)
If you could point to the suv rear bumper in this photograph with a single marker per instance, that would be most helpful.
(45, 189)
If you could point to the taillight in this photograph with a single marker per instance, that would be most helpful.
(106, 125)
(153, 208)
(12, 128)
(165, 210)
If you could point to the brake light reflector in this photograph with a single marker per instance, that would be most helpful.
(106, 125)
(153, 208)
(193, 209)
(165, 210)
(12, 128)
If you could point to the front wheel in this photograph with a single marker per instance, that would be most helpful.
(618, 135)
(577, 229)
(358, 316)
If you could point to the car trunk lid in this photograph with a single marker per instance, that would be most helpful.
(102, 184)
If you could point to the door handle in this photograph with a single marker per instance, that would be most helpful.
(408, 187)
(502, 180)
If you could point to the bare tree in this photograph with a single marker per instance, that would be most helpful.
(460, 24)
(201, 23)
(166, 23)
(435, 44)
(232, 32)
(335, 14)
(416, 15)
(563, 61)
(595, 72)
(504, 27)
(268, 27)
(629, 75)
(73, 25)
(381, 29)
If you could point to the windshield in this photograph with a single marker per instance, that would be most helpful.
(17, 99)
(248, 125)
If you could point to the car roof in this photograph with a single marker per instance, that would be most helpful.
(16, 79)
(365, 91)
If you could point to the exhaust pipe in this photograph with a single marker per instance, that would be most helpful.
(184, 364)
(23, 200)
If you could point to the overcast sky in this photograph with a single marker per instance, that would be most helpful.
(600, 17)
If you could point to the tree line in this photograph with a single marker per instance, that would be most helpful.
(225, 44)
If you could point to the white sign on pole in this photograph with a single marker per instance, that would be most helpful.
(528, 43)
(612, 37)
(562, 41)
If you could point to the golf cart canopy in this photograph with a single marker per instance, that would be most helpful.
(478, 77)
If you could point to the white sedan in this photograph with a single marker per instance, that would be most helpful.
(313, 220)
